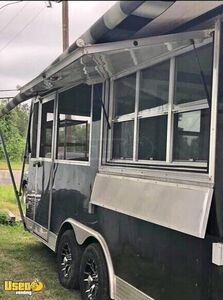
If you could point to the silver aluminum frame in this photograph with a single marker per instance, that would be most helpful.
(136, 122)
(39, 131)
(214, 106)
(53, 152)
(90, 118)
(170, 119)
(167, 109)
(111, 109)
(46, 99)
(90, 123)
(102, 126)
(35, 102)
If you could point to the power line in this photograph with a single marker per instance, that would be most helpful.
(9, 90)
(19, 32)
(10, 3)
(13, 18)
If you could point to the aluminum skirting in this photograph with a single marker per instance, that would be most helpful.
(125, 291)
(41, 233)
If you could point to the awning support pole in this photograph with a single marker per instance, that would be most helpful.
(27, 149)
(12, 178)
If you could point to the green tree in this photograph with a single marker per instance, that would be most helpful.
(14, 126)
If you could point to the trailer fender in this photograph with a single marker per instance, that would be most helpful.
(82, 233)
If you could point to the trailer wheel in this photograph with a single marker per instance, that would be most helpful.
(68, 260)
(93, 274)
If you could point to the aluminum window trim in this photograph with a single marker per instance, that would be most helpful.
(104, 124)
(46, 99)
(90, 124)
(36, 99)
(101, 126)
(39, 130)
(136, 121)
(35, 102)
(89, 120)
(214, 97)
(110, 132)
(153, 112)
(80, 118)
(161, 162)
(168, 109)
(176, 175)
(170, 118)
(72, 162)
(124, 118)
(181, 109)
(191, 103)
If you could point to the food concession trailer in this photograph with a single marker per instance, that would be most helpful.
(125, 179)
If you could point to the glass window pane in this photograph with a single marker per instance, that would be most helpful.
(154, 86)
(191, 135)
(34, 130)
(123, 140)
(73, 138)
(152, 138)
(124, 95)
(76, 101)
(46, 129)
(189, 86)
(74, 109)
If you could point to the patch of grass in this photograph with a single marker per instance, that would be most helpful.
(8, 200)
(23, 258)
(16, 165)
(7, 194)
(3, 217)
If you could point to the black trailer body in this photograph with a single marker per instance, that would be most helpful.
(126, 151)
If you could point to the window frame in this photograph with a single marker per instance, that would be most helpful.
(40, 102)
(77, 118)
(169, 109)
(34, 102)
(75, 162)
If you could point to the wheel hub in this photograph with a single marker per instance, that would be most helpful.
(91, 280)
(66, 258)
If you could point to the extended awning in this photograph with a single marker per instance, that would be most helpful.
(96, 63)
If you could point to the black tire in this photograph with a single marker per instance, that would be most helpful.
(94, 274)
(68, 260)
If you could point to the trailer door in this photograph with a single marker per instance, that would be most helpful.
(40, 169)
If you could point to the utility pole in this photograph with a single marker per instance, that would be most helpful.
(65, 24)
(65, 34)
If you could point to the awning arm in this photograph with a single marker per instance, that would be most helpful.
(103, 108)
(202, 75)
(12, 178)
(27, 150)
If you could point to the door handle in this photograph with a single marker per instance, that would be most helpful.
(38, 164)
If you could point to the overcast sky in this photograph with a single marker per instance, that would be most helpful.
(31, 36)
